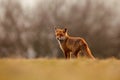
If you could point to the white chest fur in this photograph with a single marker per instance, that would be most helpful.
(60, 45)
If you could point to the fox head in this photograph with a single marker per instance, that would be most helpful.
(61, 34)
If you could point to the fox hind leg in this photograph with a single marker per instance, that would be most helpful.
(76, 53)
(86, 51)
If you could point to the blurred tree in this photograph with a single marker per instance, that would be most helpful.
(29, 32)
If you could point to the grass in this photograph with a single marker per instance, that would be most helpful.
(59, 69)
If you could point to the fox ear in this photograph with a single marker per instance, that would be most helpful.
(65, 30)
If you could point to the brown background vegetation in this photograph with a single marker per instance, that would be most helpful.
(28, 31)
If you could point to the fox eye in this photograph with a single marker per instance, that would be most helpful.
(57, 34)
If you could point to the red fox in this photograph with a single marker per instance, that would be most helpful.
(72, 45)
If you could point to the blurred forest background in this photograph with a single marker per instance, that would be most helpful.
(27, 26)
